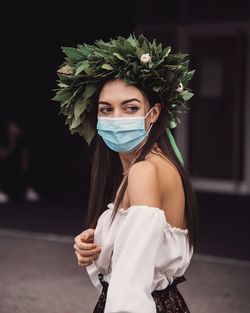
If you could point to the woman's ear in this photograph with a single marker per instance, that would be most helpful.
(156, 109)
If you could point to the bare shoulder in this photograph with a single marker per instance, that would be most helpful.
(156, 182)
(166, 169)
(143, 169)
(172, 189)
(143, 184)
(169, 178)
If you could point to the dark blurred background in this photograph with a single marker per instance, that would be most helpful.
(214, 138)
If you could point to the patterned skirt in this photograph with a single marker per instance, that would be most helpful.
(168, 300)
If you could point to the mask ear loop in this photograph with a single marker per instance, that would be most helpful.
(148, 113)
(151, 125)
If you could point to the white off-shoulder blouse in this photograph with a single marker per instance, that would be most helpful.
(141, 252)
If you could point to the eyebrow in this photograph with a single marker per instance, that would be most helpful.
(123, 102)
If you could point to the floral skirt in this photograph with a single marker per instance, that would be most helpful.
(168, 300)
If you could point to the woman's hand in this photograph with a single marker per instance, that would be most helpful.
(85, 249)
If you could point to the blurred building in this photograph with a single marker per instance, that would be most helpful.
(214, 136)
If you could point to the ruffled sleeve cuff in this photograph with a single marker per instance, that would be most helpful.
(93, 272)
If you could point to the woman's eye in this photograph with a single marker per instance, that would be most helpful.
(132, 109)
(129, 109)
(105, 110)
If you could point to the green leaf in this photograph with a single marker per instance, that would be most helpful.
(165, 52)
(172, 123)
(63, 95)
(89, 71)
(189, 75)
(186, 95)
(156, 87)
(80, 107)
(82, 66)
(159, 49)
(132, 41)
(139, 52)
(73, 53)
(89, 91)
(107, 67)
(66, 79)
(101, 53)
(88, 130)
(145, 46)
(85, 49)
(76, 122)
(120, 57)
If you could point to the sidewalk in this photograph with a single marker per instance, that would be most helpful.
(39, 274)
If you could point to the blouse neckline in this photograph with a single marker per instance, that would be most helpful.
(169, 226)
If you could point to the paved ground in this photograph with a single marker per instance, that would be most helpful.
(39, 274)
(223, 224)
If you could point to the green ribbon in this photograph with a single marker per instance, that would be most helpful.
(174, 146)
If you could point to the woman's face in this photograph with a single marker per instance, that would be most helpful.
(117, 99)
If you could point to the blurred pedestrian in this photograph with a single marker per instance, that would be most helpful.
(15, 165)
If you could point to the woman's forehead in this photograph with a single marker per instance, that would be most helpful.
(118, 91)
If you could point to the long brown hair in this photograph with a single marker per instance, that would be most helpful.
(106, 174)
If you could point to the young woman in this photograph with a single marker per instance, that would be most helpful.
(142, 219)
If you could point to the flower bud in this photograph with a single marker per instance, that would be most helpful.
(179, 87)
(145, 58)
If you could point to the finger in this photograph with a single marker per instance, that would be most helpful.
(88, 234)
(84, 260)
(85, 246)
(85, 264)
(79, 239)
(86, 253)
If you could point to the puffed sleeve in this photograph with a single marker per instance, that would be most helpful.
(92, 269)
(133, 261)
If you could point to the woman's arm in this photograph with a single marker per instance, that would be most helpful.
(136, 245)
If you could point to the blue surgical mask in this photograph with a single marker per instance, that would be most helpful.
(122, 134)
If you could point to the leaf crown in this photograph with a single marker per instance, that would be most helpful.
(133, 59)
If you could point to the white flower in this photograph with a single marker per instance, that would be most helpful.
(145, 58)
(179, 87)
